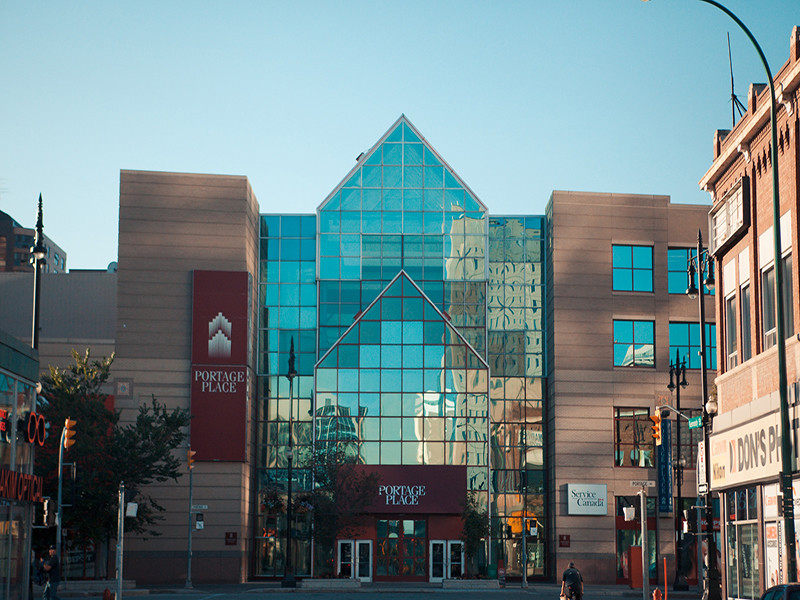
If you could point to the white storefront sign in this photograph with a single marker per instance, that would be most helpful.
(587, 499)
(748, 453)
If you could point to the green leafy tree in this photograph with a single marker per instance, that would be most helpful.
(105, 453)
(475, 529)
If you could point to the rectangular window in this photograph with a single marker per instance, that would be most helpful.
(633, 441)
(684, 338)
(788, 305)
(678, 269)
(744, 310)
(632, 268)
(634, 343)
(768, 323)
(730, 331)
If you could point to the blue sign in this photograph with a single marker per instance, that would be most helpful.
(664, 464)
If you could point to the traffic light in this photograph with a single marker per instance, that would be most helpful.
(190, 458)
(656, 419)
(69, 432)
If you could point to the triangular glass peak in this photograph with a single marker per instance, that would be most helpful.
(402, 172)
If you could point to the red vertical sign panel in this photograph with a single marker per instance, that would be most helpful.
(220, 313)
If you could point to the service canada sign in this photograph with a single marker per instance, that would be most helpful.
(587, 499)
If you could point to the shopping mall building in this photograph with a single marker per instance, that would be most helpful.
(447, 349)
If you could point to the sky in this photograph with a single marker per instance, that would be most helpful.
(520, 97)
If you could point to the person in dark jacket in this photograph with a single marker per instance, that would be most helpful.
(572, 583)
(52, 571)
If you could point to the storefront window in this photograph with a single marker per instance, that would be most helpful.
(743, 552)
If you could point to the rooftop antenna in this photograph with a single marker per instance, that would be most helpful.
(736, 105)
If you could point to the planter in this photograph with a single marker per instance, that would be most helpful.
(471, 584)
(330, 584)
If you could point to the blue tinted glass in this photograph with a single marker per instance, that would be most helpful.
(392, 154)
(329, 291)
(290, 272)
(308, 249)
(434, 177)
(328, 244)
(329, 221)
(412, 200)
(412, 356)
(623, 280)
(408, 135)
(370, 356)
(413, 154)
(453, 199)
(642, 257)
(412, 177)
(433, 200)
(392, 199)
(348, 380)
(643, 280)
(390, 356)
(450, 181)
(396, 135)
(371, 176)
(412, 380)
(326, 380)
(290, 249)
(308, 295)
(392, 177)
(289, 318)
(290, 294)
(373, 159)
(622, 256)
(270, 226)
(434, 222)
(643, 332)
(329, 267)
(272, 245)
(623, 331)
(355, 180)
(371, 199)
(390, 308)
(392, 222)
(351, 245)
(348, 355)
(391, 380)
(430, 157)
(351, 268)
(391, 332)
(308, 317)
(370, 381)
(371, 222)
(290, 226)
(351, 222)
(370, 332)
(351, 199)
(308, 271)
(412, 222)
(412, 333)
(271, 294)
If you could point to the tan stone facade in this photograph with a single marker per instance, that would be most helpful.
(585, 388)
(171, 224)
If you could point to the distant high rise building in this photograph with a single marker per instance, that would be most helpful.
(15, 248)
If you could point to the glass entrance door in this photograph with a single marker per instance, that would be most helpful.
(455, 561)
(437, 560)
(401, 546)
(364, 560)
(345, 558)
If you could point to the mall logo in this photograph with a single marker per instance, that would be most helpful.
(219, 337)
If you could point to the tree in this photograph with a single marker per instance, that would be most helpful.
(343, 490)
(476, 526)
(104, 452)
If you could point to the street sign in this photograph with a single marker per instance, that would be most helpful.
(702, 489)
(199, 506)
(643, 483)
(696, 422)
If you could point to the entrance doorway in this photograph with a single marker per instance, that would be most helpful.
(354, 559)
(446, 560)
(401, 546)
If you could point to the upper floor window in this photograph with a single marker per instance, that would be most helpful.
(684, 338)
(730, 331)
(677, 271)
(744, 311)
(788, 304)
(634, 343)
(768, 320)
(731, 216)
(633, 442)
(632, 268)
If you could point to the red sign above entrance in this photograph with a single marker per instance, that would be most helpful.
(419, 489)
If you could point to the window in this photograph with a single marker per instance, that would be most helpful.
(730, 331)
(677, 271)
(731, 217)
(633, 442)
(632, 268)
(742, 543)
(788, 305)
(634, 343)
(768, 323)
(744, 310)
(684, 338)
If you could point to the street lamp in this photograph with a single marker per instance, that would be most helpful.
(37, 259)
(786, 430)
(678, 371)
(700, 268)
(288, 571)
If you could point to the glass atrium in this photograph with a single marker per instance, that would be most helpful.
(417, 322)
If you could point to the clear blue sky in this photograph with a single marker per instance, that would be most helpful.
(521, 98)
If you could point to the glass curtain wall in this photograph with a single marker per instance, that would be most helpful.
(410, 318)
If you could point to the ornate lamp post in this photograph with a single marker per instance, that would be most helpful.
(678, 371)
(288, 572)
(38, 253)
(701, 266)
